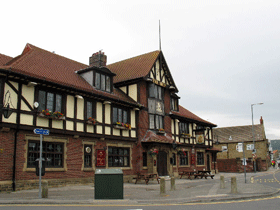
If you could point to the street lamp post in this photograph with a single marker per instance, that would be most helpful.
(254, 150)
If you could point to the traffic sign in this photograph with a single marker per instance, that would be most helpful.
(41, 131)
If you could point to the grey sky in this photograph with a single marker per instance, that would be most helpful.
(223, 55)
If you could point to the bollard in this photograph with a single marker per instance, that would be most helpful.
(233, 185)
(222, 182)
(252, 179)
(162, 186)
(172, 184)
(45, 189)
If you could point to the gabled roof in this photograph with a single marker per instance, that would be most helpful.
(239, 133)
(4, 59)
(133, 68)
(41, 64)
(152, 137)
(184, 113)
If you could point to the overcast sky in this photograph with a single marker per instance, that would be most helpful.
(223, 55)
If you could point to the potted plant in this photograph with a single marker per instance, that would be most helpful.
(53, 115)
(153, 152)
(91, 120)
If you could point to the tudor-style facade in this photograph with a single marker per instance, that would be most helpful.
(98, 116)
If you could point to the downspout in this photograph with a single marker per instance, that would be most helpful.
(16, 134)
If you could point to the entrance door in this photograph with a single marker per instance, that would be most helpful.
(162, 163)
(208, 162)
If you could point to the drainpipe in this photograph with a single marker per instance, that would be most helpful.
(16, 134)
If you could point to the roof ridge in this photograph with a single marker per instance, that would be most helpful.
(239, 126)
(134, 57)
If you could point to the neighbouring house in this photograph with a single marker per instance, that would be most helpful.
(230, 141)
(124, 115)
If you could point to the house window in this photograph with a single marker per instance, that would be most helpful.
(174, 104)
(200, 158)
(49, 100)
(156, 91)
(156, 121)
(184, 159)
(120, 115)
(184, 128)
(102, 82)
(145, 159)
(90, 109)
(118, 157)
(52, 152)
(173, 159)
(87, 156)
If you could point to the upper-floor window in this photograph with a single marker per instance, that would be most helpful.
(184, 128)
(120, 115)
(102, 82)
(174, 104)
(49, 100)
(156, 121)
(199, 127)
(90, 109)
(156, 91)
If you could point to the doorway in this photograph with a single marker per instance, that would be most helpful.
(162, 163)
(208, 162)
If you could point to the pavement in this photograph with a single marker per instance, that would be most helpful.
(186, 191)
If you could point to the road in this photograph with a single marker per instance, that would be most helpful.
(271, 203)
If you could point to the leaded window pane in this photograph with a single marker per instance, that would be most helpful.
(42, 100)
(125, 116)
(103, 81)
(120, 119)
(89, 109)
(58, 103)
(97, 80)
(50, 101)
(152, 121)
(115, 115)
(108, 84)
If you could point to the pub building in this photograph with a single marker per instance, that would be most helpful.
(125, 115)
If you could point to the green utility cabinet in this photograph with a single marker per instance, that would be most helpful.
(108, 184)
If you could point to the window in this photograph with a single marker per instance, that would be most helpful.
(52, 152)
(120, 115)
(200, 158)
(102, 82)
(87, 156)
(174, 104)
(173, 159)
(118, 157)
(50, 101)
(90, 109)
(184, 159)
(156, 121)
(184, 128)
(156, 91)
(145, 159)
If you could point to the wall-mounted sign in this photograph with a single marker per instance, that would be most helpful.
(100, 157)
(200, 139)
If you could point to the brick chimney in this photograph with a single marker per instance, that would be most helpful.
(261, 120)
(98, 59)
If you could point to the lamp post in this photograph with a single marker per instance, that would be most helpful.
(254, 150)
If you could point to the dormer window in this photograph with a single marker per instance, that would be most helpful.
(102, 82)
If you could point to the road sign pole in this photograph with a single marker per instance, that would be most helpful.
(40, 167)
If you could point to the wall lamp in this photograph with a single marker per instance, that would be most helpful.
(6, 110)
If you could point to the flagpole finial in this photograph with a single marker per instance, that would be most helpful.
(159, 37)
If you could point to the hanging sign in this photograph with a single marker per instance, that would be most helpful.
(100, 157)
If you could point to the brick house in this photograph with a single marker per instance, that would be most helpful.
(124, 115)
(229, 140)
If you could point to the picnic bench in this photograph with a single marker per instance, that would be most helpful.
(204, 174)
(146, 177)
(186, 173)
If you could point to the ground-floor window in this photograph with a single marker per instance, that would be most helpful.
(200, 158)
(118, 157)
(87, 156)
(145, 159)
(184, 159)
(52, 152)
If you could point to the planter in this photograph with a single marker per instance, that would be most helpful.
(121, 127)
(51, 117)
(92, 123)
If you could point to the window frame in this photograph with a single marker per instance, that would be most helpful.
(200, 160)
(57, 105)
(45, 153)
(88, 155)
(102, 81)
(118, 156)
(184, 128)
(174, 104)
(156, 91)
(184, 159)
(157, 121)
(120, 114)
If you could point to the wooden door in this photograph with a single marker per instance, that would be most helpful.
(162, 163)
